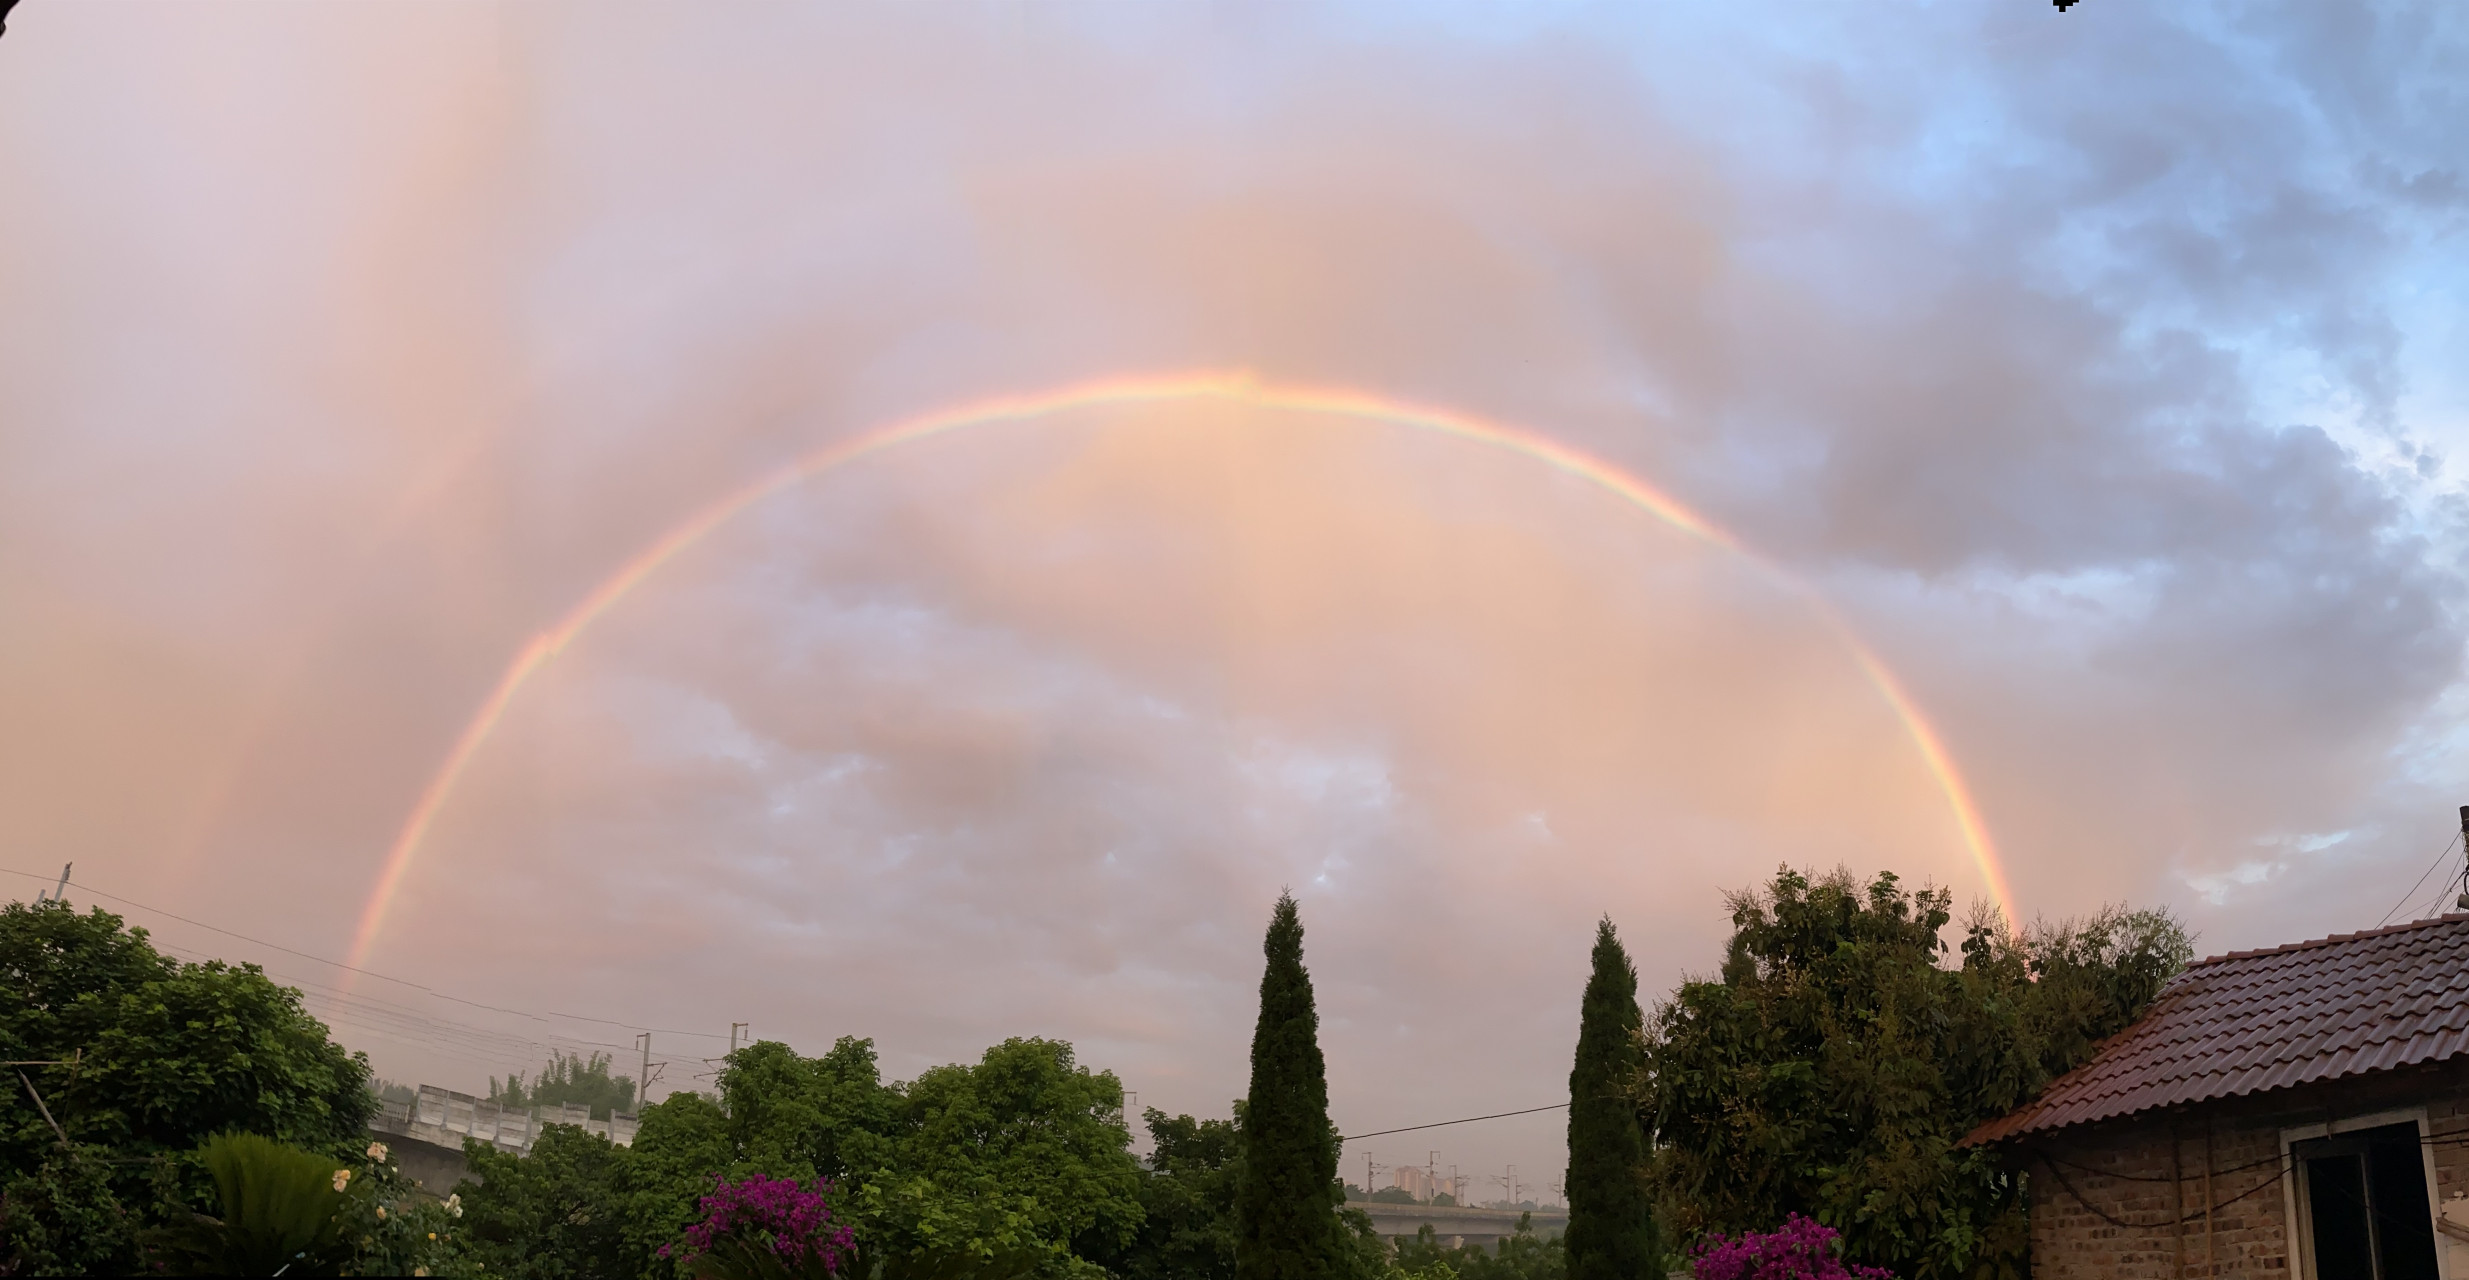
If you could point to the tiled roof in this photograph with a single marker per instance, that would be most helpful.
(2251, 1021)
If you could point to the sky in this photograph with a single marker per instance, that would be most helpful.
(2099, 377)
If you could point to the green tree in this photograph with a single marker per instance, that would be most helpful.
(568, 1078)
(558, 1213)
(799, 1117)
(1611, 1233)
(1025, 1150)
(683, 1140)
(1187, 1201)
(1840, 1055)
(166, 1055)
(1522, 1255)
(1287, 1225)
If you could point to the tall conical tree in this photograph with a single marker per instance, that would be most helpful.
(1611, 1232)
(1286, 1202)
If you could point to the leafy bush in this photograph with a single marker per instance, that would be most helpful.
(757, 1227)
(61, 1218)
(282, 1209)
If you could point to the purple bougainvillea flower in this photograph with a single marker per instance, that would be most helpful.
(783, 1215)
(1803, 1249)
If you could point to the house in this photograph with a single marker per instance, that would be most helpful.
(2301, 1111)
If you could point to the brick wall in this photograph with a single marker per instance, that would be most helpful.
(2126, 1200)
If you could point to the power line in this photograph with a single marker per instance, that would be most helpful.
(1443, 1124)
(484, 1046)
(406, 982)
(2413, 889)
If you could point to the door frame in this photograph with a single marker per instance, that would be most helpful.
(2293, 1189)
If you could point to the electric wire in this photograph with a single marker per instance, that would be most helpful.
(400, 1022)
(405, 982)
(2413, 889)
(484, 1046)
(1443, 1124)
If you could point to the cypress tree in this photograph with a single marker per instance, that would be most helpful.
(1286, 1202)
(1611, 1233)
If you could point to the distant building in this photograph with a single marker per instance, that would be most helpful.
(2299, 1111)
(1425, 1184)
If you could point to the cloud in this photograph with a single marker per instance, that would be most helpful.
(2084, 363)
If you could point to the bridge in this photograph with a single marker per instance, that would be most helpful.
(1455, 1226)
(425, 1134)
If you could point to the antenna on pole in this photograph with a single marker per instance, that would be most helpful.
(59, 895)
(2463, 902)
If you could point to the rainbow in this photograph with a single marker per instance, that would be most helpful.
(1232, 388)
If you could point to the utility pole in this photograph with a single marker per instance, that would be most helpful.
(643, 1087)
(734, 1028)
(1457, 1189)
(1431, 1167)
(2463, 904)
(1371, 1174)
(59, 894)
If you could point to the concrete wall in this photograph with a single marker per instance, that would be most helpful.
(434, 1169)
(2126, 1200)
(425, 1135)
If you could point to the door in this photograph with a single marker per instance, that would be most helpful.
(2365, 1202)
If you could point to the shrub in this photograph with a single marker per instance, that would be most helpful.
(761, 1227)
(1803, 1250)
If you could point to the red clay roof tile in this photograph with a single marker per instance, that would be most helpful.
(2252, 1021)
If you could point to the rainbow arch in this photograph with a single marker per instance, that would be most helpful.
(1240, 388)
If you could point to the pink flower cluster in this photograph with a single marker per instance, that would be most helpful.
(781, 1214)
(1803, 1250)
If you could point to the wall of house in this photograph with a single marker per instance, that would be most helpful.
(2126, 1200)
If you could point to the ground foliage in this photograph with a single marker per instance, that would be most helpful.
(1844, 1049)
(1611, 1232)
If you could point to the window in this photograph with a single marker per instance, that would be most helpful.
(2363, 1203)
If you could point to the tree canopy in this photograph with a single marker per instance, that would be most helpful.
(1187, 1202)
(1022, 1153)
(166, 1055)
(566, 1079)
(1287, 1225)
(1611, 1232)
(1844, 1049)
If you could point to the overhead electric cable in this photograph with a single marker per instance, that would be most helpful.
(1443, 1124)
(406, 982)
(484, 1045)
(2413, 889)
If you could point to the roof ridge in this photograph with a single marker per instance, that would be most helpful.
(2404, 927)
(2325, 1008)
